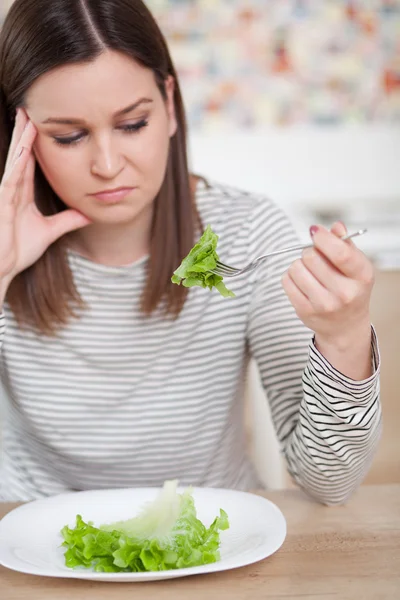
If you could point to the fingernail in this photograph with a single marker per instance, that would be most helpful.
(313, 230)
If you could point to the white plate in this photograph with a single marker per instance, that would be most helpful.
(30, 534)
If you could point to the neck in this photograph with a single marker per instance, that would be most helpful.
(114, 245)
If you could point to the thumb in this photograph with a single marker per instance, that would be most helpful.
(339, 229)
(64, 222)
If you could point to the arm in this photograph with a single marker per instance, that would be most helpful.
(328, 425)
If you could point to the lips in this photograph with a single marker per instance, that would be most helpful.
(113, 196)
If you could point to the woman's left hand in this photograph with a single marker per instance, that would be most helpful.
(330, 288)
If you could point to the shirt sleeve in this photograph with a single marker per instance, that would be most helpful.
(328, 425)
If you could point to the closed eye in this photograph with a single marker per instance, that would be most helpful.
(69, 141)
(75, 139)
(133, 127)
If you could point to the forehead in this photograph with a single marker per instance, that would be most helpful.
(111, 81)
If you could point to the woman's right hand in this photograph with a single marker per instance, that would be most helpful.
(25, 234)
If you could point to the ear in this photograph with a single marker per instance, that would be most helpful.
(170, 89)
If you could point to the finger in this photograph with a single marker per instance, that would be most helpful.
(324, 271)
(11, 180)
(65, 222)
(340, 230)
(26, 190)
(321, 299)
(25, 143)
(28, 137)
(346, 257)
(13, 174)
(20, 123)
(299, 301)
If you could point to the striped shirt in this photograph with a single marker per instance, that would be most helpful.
(117, 399)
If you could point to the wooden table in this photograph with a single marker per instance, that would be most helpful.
(341, 552)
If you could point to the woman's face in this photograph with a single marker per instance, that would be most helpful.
(103, 126)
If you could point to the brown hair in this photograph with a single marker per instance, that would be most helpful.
(38, 36)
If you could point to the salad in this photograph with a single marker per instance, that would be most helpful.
(166, 534)
(196, 268)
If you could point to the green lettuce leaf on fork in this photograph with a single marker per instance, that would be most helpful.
(166, 534)
(196, 268)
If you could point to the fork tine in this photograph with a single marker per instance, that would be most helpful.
(223, 267)
(223, 273)
(217, 271)
(225, 270)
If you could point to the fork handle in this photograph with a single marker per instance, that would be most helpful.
(303, 246)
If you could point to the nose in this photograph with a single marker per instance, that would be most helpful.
(106, 162)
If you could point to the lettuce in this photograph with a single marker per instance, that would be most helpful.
(196, 268)
(165, 535)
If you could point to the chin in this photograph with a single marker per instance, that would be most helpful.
(117, 214)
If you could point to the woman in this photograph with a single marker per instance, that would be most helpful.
(114, 376)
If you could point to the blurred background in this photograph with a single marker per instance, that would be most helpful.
(300, 100)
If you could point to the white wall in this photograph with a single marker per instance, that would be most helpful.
(354, 171)
(318, 165)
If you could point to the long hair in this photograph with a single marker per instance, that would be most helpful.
(38, 36)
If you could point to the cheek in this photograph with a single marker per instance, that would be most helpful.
(60, 171)
(153, 156)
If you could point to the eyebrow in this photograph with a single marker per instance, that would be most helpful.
(120, 113)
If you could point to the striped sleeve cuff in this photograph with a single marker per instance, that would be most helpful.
(339, 386)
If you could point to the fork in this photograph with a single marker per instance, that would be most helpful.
(227, 271)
